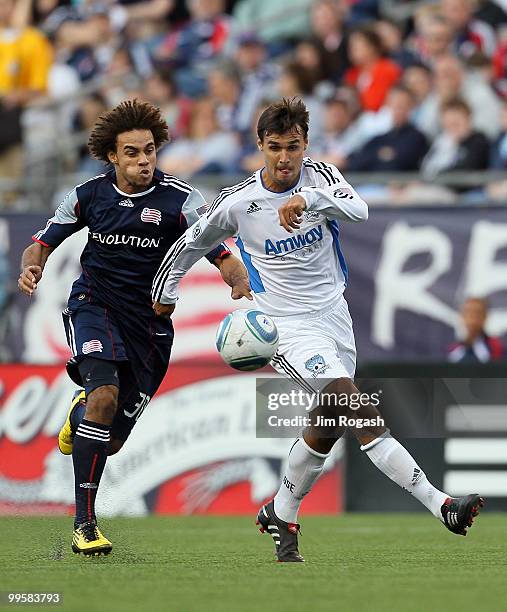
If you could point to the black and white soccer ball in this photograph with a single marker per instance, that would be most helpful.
(247, 339)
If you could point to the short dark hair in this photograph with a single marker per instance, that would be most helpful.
(401, 88)
(457, 104)
(128, 115)
(282, 117)
(227, 69)
(372, 37)
(392, 22)
(420, 66)
(334, 101)
(305, 79)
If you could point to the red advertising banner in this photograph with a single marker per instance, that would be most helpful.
(193, 451)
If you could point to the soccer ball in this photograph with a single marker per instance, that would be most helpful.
(247, 339)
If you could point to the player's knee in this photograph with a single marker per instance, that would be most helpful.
(114, 446)
(101, 404)
(320, 441)
(341, 386)
(336, 397)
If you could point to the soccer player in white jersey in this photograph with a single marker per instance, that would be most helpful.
(285, 219)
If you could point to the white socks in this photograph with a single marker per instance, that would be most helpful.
(305, 465)
(303, 468)
(397, 464)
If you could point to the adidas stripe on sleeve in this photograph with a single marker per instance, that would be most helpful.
(208, 231)
(193, 208)
(62, 224)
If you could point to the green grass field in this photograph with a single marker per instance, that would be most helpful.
(354, 562)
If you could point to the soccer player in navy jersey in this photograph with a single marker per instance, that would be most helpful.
(121, 349)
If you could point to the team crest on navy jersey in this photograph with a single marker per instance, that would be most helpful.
(92, 346)
(316, 365)
(151, 215)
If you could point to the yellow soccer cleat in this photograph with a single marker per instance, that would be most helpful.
(88, 540)
(66, 435)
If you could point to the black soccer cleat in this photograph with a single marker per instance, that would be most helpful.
(458, 513)
(285, 535)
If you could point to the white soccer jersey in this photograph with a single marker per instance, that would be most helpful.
(289, 273)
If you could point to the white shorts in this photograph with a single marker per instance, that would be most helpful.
(316, 348)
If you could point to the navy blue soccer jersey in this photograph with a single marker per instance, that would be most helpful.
(128, 236)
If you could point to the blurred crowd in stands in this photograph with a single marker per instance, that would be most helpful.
(391, 85)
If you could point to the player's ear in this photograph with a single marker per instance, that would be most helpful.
(112, 157)
(306, 144)
(259, 144)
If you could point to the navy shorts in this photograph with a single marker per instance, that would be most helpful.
(140, 347)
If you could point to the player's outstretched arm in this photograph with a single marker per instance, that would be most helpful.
(233, 273)
(340, 202)
(33, 261)
(334, 197)
(65, 222)
(195, 243)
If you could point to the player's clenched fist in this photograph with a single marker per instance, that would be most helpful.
(291, 213)
(163, 310)
(28, 279)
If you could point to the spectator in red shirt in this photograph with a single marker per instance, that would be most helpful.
(371, 73)
(476, 345)
(500, 61)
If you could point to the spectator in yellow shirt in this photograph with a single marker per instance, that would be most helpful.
(25, 59)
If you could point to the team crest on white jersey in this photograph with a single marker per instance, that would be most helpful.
(316, 365)
(197, 231)
(344, 193)
(312, 215)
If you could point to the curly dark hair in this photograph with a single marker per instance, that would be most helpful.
(282, 117)
(128, 115)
